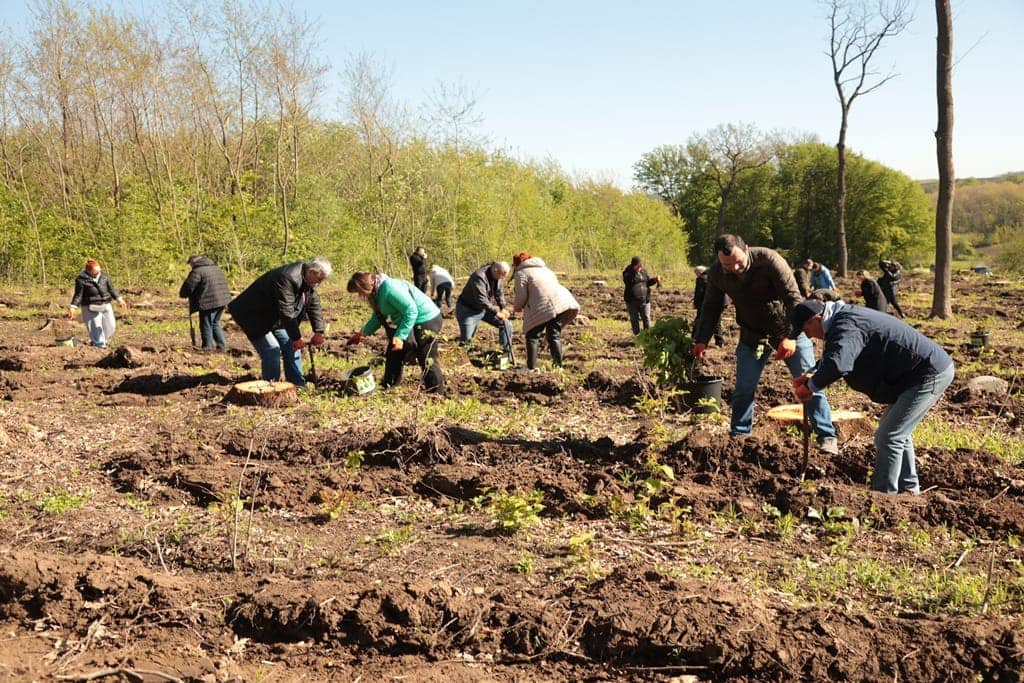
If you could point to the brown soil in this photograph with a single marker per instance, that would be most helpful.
(152, 530)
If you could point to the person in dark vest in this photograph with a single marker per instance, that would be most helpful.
(637, 294)
(890, 362)
(763, 291)
(892, 271)
(93, 294)
(872, 293)
(700, 287)
(207, 292)
(418, 261)
(269, 312)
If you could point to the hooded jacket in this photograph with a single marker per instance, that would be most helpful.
(278, 299)
(205, 287)
(875, 353)
(873, 297)
(763, 295)
(90, 290)
(539, 295)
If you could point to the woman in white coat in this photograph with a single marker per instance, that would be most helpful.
(546, 305)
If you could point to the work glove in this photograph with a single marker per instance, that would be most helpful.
(787, 347)
(800, 388)
(298, 345)
(355, 339)
(503, 314)
(698, 350)
(858, 293)
(317, 339)
(397, 344)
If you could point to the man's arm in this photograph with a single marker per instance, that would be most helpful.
(710, 313)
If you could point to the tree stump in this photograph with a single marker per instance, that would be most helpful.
(262, 393)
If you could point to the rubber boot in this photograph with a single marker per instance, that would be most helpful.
(532, 349)
(556, 353)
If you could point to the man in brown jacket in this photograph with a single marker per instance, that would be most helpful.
(763, 290)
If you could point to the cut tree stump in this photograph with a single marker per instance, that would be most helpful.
(260, 392)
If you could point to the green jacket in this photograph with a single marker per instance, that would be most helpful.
(401, 303)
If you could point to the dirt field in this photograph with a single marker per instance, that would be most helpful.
(557, 526)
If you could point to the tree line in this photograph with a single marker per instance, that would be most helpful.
(139, 140)
(781, 193)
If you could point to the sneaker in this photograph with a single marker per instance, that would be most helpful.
(829, 445)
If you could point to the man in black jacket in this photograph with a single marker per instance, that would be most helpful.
(890, 283)
(762, 288)
(418, 261)
(482, 299)
(207, 292)
(638, 293)
(889, 361)
(269, 312)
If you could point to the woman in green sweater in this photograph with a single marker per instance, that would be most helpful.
(411, 321)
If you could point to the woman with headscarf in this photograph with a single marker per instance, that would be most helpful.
(94, 294)
(546, 305)
(411, 321)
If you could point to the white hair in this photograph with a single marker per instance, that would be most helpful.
(320, 265)
(503, 267)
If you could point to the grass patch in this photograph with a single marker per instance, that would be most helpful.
(938, 433)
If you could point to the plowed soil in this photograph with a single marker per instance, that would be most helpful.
(151, 530)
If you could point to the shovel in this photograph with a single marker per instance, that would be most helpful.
(311, 377)
(508, 335)
(805, 427)
(191, 329)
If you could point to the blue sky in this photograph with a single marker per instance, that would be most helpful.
(594, 85)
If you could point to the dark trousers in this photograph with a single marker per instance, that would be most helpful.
(639, 314)
(209, 328)
(890, 296)
(443, 293)
(424, 340)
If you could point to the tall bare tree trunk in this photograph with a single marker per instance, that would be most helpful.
(941, 298)
(841, 194)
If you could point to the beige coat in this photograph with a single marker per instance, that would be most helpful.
(538, 294)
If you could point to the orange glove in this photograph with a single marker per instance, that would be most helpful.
(699, 350)
(787, 347)
(397, 344)
(317, 339)
(355, 339)
(298, 345)
(800, 388)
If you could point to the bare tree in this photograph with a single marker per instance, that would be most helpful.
(941, 303)
(857, 30)
(726, 152)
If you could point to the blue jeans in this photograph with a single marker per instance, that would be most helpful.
(469, 320)
(209, 328)
(748, 375)
(443, 292)
(273, 347)
(895, 470)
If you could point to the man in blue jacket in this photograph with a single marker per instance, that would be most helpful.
(889, 361)
(821, 277)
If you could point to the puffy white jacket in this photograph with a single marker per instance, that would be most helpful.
(539, 295)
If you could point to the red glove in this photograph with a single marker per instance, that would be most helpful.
(397, 344)
(317, 339)
(698, 350)
(787, 347)
(800, 388)
(355, 339)
(858, 293)
(298, 345)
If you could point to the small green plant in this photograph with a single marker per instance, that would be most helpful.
(391, 540)
(667, 346)
(524, 564)
(59, 502)
(512, 511)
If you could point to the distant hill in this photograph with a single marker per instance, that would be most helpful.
(932, 185)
